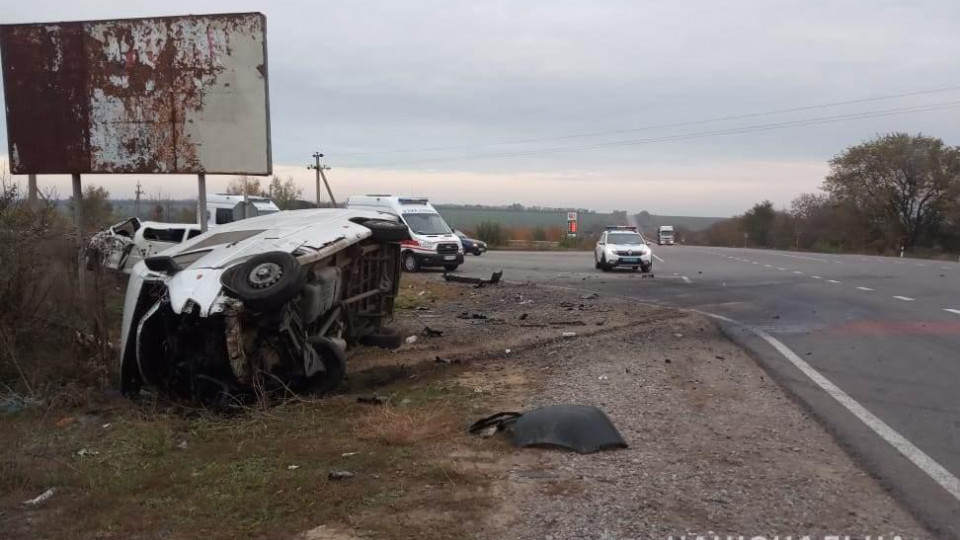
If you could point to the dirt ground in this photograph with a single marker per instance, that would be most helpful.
(715, 447)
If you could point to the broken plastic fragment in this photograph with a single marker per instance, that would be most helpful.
(40, 498)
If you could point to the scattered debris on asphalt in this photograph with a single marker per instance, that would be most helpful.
(442, 360)
(581, 428)
(292, 467)
(479, 282)
(590, 296)
(569, 334)
(411, 340)
(474, 316)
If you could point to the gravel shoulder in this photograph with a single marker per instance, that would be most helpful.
(716, 447)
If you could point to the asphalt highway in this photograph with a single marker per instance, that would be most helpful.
(870, 345)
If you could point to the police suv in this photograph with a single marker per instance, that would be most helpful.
(622, 246)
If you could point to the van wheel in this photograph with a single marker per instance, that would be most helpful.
(386, 338)
(450, 267)
(387, 231)
(410, 262)
(267, 281)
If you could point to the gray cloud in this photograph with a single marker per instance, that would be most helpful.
(356, 76)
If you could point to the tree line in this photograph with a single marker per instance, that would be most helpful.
(893, 192)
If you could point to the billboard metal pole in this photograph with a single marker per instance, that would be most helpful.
(32, 191)
(202, 201)
(78, 223)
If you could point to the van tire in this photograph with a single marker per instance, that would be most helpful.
(387, 338)
(282, 281)
(410, 262)
(334, 361)
(387, 231)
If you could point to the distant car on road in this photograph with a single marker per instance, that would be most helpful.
(471, 245)
(622, 247)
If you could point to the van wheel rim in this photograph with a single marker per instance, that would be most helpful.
(264, 275)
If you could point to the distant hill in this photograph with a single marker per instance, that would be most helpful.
(467, 217)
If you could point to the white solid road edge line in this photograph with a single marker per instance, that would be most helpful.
(934, 470)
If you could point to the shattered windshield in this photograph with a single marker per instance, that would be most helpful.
(426, 223)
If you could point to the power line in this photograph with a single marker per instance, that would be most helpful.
(686, 136)
(661, 126)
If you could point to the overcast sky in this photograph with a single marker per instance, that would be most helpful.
(404, 78)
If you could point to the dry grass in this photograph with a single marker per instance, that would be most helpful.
(401, 426)
(157, 472)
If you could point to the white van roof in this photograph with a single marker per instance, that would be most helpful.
(393, 202)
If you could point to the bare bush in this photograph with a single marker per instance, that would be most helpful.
(51, 331)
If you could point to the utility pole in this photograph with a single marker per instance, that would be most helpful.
(136, 199)
(317, 166)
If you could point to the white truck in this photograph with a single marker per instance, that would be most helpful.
(665, 235)
(432, 242)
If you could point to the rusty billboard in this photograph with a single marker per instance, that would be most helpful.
(155, 95)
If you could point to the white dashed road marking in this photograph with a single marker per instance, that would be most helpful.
(797, 272)
(685, 279)
(865, 288)
(951, 310)
(767, 266)
(657, 258)
(816, 277)
(832, 281)
(934, 470)
(780, 268)
(904, 298)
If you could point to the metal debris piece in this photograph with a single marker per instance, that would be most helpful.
(581, 428)
(340, 475)
(431, 333)
(479, 282)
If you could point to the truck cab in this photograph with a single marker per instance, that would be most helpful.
(432, 241)
(665, 235)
